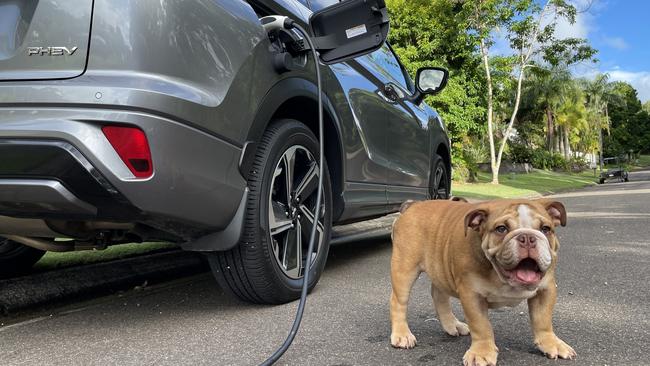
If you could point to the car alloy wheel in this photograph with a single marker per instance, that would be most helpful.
(439, 183)
(268, 264)
(292, 201)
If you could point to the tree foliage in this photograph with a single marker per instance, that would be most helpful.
(426, 33)
(530, 29)
(630, 123)
(528, 96)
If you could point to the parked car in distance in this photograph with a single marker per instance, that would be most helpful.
(129, 121)
(616, 172)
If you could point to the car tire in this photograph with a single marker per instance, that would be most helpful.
(439, 182)
(264, 267)
(16, 258)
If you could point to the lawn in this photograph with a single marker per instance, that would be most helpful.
(53, 260)
(642, 162)
(535, 184)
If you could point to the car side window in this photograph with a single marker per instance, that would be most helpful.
(385, 63)
(317, 5)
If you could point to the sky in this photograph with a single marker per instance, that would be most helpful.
(620, 31)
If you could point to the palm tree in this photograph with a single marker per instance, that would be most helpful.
(571, 117)
(600, 93)
(547, 88)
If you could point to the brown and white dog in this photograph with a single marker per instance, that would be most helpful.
(489, 254)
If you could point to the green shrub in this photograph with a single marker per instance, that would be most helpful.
(578, 164)
(473, 154)
(541, 159)
(466, 156)
(520, 153)
(558, 162)
(460, 172)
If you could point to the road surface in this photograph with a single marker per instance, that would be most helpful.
(603, 308)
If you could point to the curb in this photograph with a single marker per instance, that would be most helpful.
(96, 279)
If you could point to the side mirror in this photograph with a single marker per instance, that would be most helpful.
(349, 29)
(429, 80)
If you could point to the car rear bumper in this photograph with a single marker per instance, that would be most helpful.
(26, 196)
(56, 162)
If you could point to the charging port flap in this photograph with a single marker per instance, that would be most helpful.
(349, 29)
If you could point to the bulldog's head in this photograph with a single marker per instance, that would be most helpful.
(518, 237)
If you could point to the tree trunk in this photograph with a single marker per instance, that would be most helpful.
(600, 127)
(513, 117)
(600, 146)
(560, 139)
(488, 77)
(567, 146)
(554, 148)
(549, 129)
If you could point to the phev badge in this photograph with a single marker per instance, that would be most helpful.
(51, 51)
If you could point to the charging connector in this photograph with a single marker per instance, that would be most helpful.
(273, 24)
(290, 44)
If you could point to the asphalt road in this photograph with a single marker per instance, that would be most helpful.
(603, 309)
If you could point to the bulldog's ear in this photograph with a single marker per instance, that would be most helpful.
(556, 210)
(474, 219)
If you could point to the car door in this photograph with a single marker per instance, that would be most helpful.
(398, 128)
(406, 127)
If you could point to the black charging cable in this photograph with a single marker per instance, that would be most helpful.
(287, 23)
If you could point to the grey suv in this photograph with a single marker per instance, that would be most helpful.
(127, 121)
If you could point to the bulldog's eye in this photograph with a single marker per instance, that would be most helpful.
(546, 229)
(501, 229)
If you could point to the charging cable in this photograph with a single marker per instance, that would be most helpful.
(271, 24)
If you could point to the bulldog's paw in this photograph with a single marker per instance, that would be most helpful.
(456, 328)
(553, 347)
(403, 340)
(481, 354)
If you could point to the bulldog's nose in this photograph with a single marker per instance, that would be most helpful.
(527, 241)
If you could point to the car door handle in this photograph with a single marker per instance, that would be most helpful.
(391, 93)
(384, 97)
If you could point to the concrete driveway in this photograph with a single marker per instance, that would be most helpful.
(603, 308)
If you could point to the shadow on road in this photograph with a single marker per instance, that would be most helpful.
(346, 254)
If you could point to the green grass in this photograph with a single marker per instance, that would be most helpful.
(535, 184)
(53, 260)
(642, 162)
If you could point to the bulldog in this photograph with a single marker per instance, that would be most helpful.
(489, 255)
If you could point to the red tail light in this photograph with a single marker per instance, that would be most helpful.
(131, 145)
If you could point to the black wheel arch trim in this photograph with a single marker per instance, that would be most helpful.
(280, 93)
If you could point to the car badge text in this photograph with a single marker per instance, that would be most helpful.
(51, 51)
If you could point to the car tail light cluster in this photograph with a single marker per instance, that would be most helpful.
(132, 146)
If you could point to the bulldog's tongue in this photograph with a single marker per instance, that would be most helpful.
(526, 275)
(526, 272)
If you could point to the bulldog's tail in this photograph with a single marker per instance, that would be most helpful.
(406, 205)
